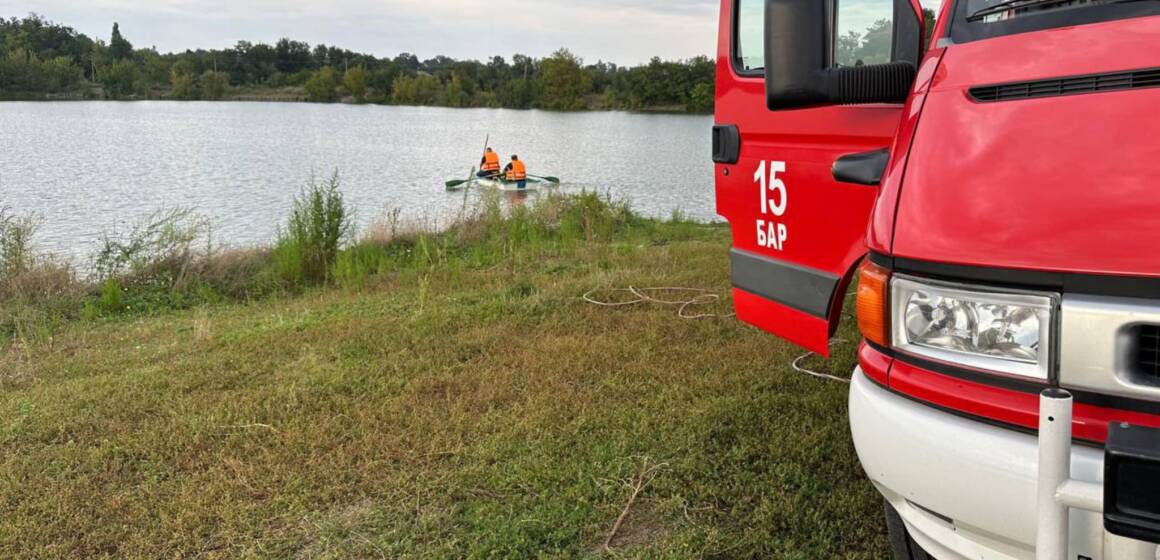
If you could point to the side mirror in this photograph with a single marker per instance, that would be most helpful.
(800, 41)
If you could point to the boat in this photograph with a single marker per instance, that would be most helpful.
(535, 183)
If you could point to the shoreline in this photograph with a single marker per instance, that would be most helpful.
(171, 261)
(290, 99)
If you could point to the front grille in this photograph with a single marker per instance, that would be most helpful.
(1070, 85)
(1148, 352)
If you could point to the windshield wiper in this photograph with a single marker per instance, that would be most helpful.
(1012, 5)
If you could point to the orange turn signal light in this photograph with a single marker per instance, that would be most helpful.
(873, 309)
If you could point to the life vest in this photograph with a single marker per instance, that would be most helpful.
(518, 172)
(490, 161)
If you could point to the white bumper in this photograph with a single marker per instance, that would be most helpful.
(966, 489)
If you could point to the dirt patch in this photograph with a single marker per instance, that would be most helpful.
(642, 527)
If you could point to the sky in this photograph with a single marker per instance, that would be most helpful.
(620, 31)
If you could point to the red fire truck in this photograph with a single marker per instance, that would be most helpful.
(996, 194)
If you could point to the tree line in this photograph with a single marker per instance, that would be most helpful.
(41, 59)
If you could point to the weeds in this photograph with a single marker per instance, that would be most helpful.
(168, 261)
(318, 225)
(16, 234)
(161, 250)
(35, 292)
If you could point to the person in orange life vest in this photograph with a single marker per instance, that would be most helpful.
(515, 171)
(489, 164)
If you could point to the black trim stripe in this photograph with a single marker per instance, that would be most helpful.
(1115, 402)
(974, 376)
(1064, 282)
(879, 259)
(804, 289)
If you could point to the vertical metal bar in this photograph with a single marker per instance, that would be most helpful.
(1054, 468)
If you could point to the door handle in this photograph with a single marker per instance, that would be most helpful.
(864, 168)
(726, 143)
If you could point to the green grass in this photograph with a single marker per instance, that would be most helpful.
(445, 395)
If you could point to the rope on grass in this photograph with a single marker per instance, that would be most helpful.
(796, 364)
(704, 297)
(642, 295)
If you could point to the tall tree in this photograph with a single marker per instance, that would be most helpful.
(213, 84)
(292, 56)
(181, 81)
(120, 80)
(321, 86)
(119, 47)
(355, 81)
(565, 82)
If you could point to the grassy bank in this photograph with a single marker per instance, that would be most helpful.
(449, 395)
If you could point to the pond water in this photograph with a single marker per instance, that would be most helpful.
(88, 167)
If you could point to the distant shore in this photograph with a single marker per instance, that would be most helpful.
(299, 95)
(64, 64)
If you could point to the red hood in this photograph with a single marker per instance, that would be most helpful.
(1063, 183)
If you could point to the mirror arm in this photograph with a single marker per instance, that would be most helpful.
(879, 83)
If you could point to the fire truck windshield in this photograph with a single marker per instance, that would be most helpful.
(983, 19)
(999, 10)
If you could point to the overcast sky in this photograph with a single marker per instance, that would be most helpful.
(621, 31)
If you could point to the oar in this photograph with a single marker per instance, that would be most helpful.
(454, 185)
(546, 179)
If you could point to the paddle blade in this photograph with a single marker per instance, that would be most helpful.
(552, 179)
(455, 183)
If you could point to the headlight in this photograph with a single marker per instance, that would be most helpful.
(1005, 332)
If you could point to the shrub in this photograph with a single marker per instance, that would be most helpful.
(35, 292)
(355, 80)
(163, 250)
(319, 223)
(214, 84)
(592, 217)
(181, 83)
(322, 86)
(110, 300)
(15, 243)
